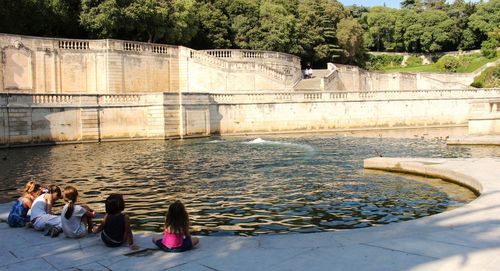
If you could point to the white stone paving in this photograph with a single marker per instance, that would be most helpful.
(467, 238)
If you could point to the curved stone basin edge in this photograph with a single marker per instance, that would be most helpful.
(465, 238)
(437, 168)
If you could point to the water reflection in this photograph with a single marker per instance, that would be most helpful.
(246, 186)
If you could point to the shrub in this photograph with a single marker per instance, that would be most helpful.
(449, 64)
(379, 62)
(489, 78)
(413, 61)
(489, 48)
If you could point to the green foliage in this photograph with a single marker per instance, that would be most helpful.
(317, 27)
(350, 38)
(489, 48)
(430, 25)
(383, 61)
(486, 19)
(57, 18)
(489, 78)
(319, 31)
(449, 63)
(379, 23)
(413, 61)
(460, 64)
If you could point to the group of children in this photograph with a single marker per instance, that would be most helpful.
(34, 209)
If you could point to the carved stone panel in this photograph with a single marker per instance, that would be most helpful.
(17, 69)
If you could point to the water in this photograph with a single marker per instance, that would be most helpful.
(246, 186)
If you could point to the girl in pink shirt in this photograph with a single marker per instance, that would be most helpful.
(176, 236)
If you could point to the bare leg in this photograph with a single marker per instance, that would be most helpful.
(195, 241)
(88, 219)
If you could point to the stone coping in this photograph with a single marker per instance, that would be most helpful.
(475, 140)
(466, 238)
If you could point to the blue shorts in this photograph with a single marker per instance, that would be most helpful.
(186, 245)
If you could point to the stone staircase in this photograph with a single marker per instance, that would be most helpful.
(312, 84)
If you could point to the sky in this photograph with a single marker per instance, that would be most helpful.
(369, 3)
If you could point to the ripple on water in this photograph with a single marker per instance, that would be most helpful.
(245, 186)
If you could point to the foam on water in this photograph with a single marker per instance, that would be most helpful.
(278, 143)
(214, 141)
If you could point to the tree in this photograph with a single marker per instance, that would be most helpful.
(147, 18)
(486, 19)
(350, 37)
(276, 31)
(412, 4)
(214, 27)
(462, 11)
(244, 21)
(102, 19)
(440, 32)
(380, 22)
(55, 18)
(357, 11)
(317, 25)
(182, 26)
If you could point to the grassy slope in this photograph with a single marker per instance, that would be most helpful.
(474, 65)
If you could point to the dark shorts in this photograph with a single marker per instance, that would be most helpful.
(186, 245)
(109, 242)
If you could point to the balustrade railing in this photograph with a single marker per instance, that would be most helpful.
(205, 58)
(119, 99)
(275, 71)
(73, 45)
(238, 55)
(78, 100)
(54, 99)
(357, 96)
(131, 46)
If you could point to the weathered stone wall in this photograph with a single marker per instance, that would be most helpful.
(274, 112)
(43, 65)
(484, 117)
(57, 118)
(220, 71)
(353, 78)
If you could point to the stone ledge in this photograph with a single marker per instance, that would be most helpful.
(475, 140)
(466, 238)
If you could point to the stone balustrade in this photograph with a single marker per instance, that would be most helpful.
(73, 45)
(238, 55)
(244, 61)
(245, 98)
(78, 100)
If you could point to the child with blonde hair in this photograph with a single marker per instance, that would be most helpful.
(76, 220)
(18, 216)
(176, 236)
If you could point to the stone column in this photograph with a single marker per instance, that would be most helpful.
(2, 62)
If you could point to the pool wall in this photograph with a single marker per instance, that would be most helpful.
(27, 119)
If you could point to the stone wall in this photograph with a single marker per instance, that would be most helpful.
(275, 112)
(220, 71)
(27, 119)
(355, 78)
(58, 118)
(484, 117)
(43, 65)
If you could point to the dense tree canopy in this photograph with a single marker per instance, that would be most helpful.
(319, 31)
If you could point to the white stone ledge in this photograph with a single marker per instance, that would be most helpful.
(466, 238)
(438, 168)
